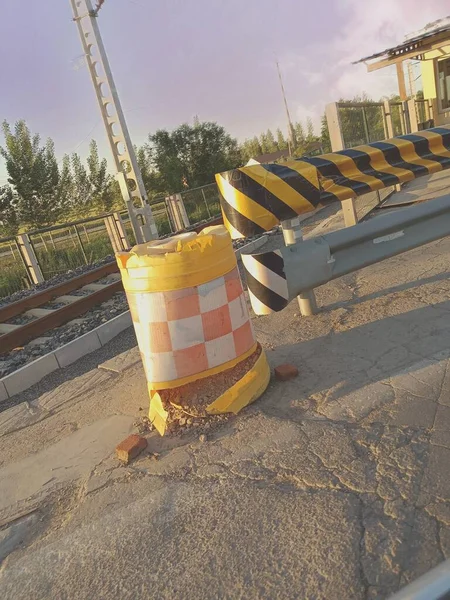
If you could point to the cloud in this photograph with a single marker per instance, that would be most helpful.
(324, 73)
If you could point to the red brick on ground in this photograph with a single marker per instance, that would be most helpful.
(286, 372)
(130, 447)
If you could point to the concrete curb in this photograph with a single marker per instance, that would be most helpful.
(62, 357)
(33, 372)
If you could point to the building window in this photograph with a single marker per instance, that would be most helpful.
(443, 72)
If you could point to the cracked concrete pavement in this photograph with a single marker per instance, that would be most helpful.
(333, 485)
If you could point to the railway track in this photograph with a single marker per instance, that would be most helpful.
(40, 318)
(55, 306)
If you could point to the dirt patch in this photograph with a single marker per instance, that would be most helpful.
(187, 404)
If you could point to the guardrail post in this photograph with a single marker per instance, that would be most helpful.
(113, 234)
(334, 126)
(173, 213)
(29, 259)
(292, 234)
(83, 252)
(122, 232)
(406, 121)
(206, 203)
(349, 212)
(182, 210)
(388, 119)
(177, 211)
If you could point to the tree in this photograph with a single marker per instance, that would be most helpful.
(270, 141)
(250, 149)
(299, 134)
(34, 175)
(153, 183)
(191, 155)
(325, 134)
(310, 137)
(281, 140)
(9, 222)
(361, 124)
(81, 192)
(102, 183)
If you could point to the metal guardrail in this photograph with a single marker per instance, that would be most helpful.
(257, 197)
(275, 278)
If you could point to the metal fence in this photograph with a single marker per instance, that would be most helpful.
(424, 114)
(200, 204)
(398, 119)
(62, 248)
(13, 274)
(58, 249)
(365, 122)
(362, 122)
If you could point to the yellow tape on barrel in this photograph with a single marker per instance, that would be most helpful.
(180, 262)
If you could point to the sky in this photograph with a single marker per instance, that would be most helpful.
(176, 59)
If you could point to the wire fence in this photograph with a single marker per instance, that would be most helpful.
(66, 247)
(361, 122)
(398, 119)
(424, 114)
(71, 246)
(200, 203)
(366, 122)
(13, 274)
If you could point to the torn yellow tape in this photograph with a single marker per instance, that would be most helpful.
(157, 415)
(245, 391)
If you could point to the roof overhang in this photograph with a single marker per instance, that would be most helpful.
(413, 48)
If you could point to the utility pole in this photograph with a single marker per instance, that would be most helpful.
(291, 137)
(128, 172)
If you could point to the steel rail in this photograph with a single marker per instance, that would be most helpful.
(24, 333)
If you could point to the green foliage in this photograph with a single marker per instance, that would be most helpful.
(101, 181)
(191, 155)
(325, 134)
(299, 136)
(53, 262)
(33, 172)
(281, 141)
(81, 192)
(250, 148)
(12, 277)
(9, 221)
(268, 142)
(153, 182)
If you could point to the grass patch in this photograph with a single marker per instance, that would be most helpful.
(53, 262)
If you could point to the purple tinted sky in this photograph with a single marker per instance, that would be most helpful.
(174, 59)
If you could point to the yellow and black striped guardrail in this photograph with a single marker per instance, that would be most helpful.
(255, 198)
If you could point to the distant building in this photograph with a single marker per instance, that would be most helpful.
(430, 46)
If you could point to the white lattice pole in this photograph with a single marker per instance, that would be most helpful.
(128, 172)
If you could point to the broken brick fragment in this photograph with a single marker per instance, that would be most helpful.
(130, 447)
(286, 372)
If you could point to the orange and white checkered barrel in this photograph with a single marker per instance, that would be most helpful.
(188, 306)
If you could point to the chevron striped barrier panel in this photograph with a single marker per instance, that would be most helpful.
(275, 278)
(256, 198)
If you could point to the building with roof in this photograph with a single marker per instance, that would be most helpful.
(431, 47)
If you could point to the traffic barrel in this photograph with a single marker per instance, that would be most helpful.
(191, 318)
